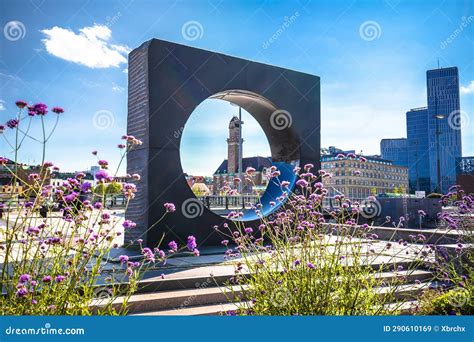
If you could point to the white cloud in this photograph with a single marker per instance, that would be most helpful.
(469, 89)
(125, 71)
(2, 105)
(90, 47)
(117, 88)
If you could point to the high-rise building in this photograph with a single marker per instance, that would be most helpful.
(395, 150)
(444, 130)
(418, 150)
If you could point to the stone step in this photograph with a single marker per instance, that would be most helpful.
(177, 299)
(204, 310)
(409, 276)
(405, 306)
(185, 299)
(222, 277)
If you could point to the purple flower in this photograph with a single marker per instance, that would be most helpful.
(59, 278)
(225, 242)
(32, 231)
(297, 262)
(24, 278)
(58, 110)
(161, 254)
(250, 171)
(301, 182)
(21, 292)
(248, 230)
(128, 224)
(12, 123)
(106, 216)
(40, 108)
(173, 246)
(196, 252)
(103, 163)
(21, 104)
(98, 205)
(123, 259)
(310, 265)
(191, 244)
(86, 187)
(47, 279)
(101, 175)
(170, 207)
(148, 254)
(421, 213)
(71, 197)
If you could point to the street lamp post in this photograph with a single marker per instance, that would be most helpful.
(240, 150)
(438, 117)
(417, 174)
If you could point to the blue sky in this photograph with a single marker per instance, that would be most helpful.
(73, 54)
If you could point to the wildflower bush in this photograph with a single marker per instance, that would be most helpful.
(455, 266)
(303, 260)
(55, 263)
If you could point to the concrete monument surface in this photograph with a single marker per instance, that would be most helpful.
(167, 81)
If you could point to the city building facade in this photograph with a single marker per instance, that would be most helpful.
(444, 130)
(418, 150)
(358, 179)
(395, 150)
(465, 174)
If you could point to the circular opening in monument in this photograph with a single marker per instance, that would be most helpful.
(226, 135)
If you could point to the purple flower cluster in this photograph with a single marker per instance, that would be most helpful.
(170, 207)
(191, 243)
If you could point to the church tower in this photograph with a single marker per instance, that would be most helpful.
(233, 145)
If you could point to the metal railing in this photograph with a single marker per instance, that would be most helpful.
(229, 202)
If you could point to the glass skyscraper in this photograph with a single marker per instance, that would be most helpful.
(444, 124)
(418, 150)
(395, 150)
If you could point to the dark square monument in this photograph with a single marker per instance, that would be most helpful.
(167, 81)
